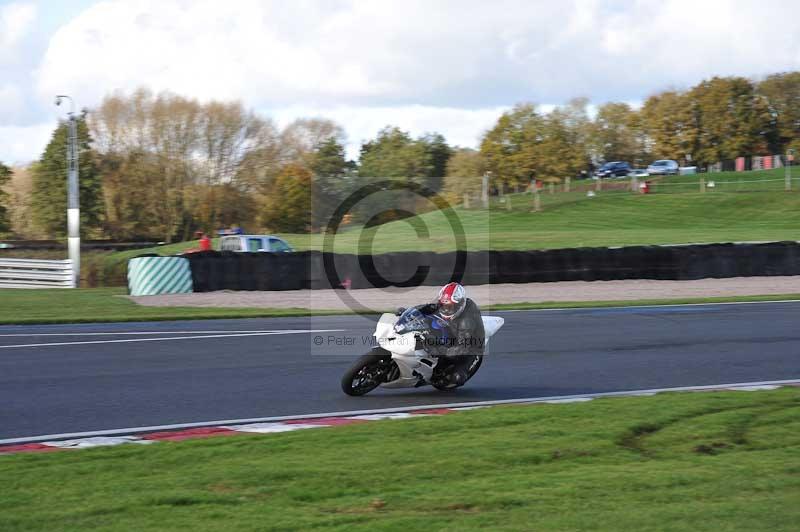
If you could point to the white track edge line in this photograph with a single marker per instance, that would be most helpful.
(200, 337)
(528, 400)
(639, 306)
(123, 333)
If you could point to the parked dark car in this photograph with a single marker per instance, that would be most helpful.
(613, 169)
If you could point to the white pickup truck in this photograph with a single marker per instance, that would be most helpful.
(254, 244)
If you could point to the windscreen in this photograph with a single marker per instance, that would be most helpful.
(411, 320)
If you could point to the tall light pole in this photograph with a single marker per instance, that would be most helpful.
(73, 205)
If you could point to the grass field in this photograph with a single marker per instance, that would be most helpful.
(693, 461)
(751, 212)
(20, 306)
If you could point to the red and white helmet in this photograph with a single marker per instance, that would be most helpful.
(451, 300)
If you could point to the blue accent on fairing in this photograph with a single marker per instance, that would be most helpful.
(441, 326)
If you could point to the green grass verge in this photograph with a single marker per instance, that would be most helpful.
(752, 212)
(99, 305)
(693, 461)
(20, 306)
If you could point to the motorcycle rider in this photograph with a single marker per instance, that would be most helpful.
(462, 338)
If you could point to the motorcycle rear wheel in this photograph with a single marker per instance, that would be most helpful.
(367, 373)
(474, 369)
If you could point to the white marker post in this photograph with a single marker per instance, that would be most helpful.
(485, 190)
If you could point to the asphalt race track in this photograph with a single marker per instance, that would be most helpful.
(71, 378)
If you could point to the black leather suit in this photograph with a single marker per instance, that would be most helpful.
(465, 340)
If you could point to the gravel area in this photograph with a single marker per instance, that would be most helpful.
(391, 298)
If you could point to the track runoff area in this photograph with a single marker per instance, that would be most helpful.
(75, 386)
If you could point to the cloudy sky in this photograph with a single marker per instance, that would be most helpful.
(427, 65)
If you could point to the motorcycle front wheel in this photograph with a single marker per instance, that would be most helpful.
(368, 372)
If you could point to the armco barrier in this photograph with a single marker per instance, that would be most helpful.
(29, 273)
(149, 276)
(214, 270)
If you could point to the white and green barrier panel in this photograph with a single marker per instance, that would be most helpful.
(150, 276)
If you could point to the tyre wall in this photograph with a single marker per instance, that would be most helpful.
(213, 270)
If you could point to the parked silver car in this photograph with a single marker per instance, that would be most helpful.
(663, 167)
(253, 244)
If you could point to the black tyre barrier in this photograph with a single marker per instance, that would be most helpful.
(212, 270)
(584, 257)
(781, 258)
(247, 270)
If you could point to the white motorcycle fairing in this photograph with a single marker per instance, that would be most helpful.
(415, 365)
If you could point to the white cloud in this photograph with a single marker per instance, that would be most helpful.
(444, 66)
(15, 21)
(23, 144)
(448, 53)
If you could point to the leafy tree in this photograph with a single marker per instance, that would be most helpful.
(333, 180)
(525, 144)
(49, 195)
(733, 119)
(305, 136)
(562, 151)
(19, 191)
(186, 153)
(510, 148)
(783, 93)
(464, 174)
(5, 177)
(439, 153)
(670, 124)
(578, 131)
(393, 153)
(128, 190)
(212, 206)
(288, 203)
(613, 138)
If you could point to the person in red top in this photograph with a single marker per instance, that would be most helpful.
(205, 243)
